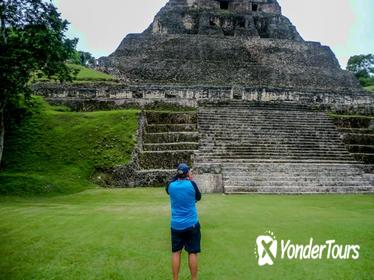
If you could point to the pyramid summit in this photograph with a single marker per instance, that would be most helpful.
(262, 19)
(227, 43)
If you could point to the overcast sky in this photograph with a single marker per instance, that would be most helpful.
(347, 26)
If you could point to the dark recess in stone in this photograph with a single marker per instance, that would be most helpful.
(254, 7)
(241, 22)
(224, 5)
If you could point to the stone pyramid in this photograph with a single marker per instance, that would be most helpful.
(227, 43)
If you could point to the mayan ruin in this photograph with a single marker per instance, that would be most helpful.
(260, 96)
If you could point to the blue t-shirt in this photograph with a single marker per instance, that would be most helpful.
(183, 196)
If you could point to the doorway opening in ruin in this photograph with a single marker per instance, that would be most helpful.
(254, 7)
(224, 5)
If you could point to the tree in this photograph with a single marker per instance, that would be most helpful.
(82, 58)
(86, 59)
(361, 65)
(32, 39)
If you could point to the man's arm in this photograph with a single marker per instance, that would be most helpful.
(197, 191)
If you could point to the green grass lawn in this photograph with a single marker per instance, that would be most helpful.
(370, 88)
(124, 234)
(81, 231)
(56, 151)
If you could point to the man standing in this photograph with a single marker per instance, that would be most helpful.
(185, 226)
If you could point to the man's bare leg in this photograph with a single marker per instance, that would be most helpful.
(192, 262)
(175, 264)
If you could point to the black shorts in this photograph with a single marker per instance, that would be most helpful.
(188, 238)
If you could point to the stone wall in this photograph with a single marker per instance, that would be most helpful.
(89, 97)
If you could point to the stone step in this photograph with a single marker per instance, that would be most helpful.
(266, 135)
(252, 140)
(269, 153)
(274, 144)
(271, 157)
(356, 130)
(263, 114)
(170, 117)
(261, 128)
(280, 169)
(275, 135)
(307, 167)
(361, 148)
(270, 142)
(255, 120)
(265, 126)
(222, 147)
(291, 174)
(254, 105)
(259, 160)
(189, 127)
(211, 146)
(245, 119)
(285, 129)
(268, 113)
(170, 137)
(367, 158)
(352, 121)
(314, 183)
(297, 189)
(170, 146)
(362, 139)
(299, 165)
(267, 132)
(259, 131)
(164, 159)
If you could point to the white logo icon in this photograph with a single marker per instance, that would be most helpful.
(267, 245)
(266, 248)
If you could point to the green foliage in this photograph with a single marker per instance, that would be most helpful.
(86, 59)
(366, 82)
(82, 58)
(125, 234)
(361, 65)
(74, 58)
(32, 38)
(54, 150)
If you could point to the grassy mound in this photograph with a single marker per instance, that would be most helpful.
(88, 74)
(370, 88)
(84, 74)
(124, 234)
(55, 150)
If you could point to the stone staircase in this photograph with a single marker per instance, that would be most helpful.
(358, 135)
(168, 138)
(275, 148)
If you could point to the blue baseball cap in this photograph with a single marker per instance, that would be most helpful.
(183, 168)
